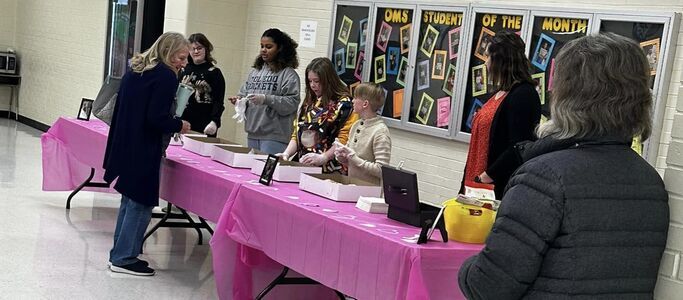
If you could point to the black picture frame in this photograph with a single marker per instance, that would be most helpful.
(85, 110)
(268, 169)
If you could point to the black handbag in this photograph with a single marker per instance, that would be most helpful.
(103, 107)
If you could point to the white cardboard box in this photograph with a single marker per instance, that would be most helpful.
(372, 205)
(236, 157)
(204, 145)
(182, 137)
(338, 187)
(286, 171)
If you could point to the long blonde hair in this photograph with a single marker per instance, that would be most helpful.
(163, 49)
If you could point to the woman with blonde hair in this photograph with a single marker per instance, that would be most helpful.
(326, 114)
(134, 146)
(585, 216)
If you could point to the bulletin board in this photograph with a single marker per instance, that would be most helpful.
(391, 47)
(348, 48)
(436, 66)
(404, 49)
(550, 31)
(478, 87)
(654, 33)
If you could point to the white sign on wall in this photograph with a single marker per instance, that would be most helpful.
(307, 34)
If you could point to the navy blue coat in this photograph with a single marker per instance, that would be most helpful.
(141, 116)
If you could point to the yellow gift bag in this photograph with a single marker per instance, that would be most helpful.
(468, 223)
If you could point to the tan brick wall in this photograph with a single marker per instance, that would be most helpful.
(62, 45)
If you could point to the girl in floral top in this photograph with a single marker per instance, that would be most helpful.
(326, 114)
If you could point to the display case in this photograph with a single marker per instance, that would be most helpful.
(437, 64)
(392, 45)
(350, 30)
(484, 23)
(656, 34)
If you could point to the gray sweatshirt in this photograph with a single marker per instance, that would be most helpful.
(273, 120)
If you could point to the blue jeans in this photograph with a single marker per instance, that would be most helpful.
(267, 146)
(130, 230)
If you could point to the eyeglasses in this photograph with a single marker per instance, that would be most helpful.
(197, 49)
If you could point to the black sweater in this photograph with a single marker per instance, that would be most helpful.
(206, 104)
(514, 122)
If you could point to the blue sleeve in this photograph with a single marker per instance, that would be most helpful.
(159, 114)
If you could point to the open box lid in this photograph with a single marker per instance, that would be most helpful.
(342, 179)
(211, 140)
(240, 149)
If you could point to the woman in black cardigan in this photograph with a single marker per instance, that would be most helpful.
(509, 117)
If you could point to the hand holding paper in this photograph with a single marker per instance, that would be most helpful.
(182, 96)
(342, 153)
(240, 110)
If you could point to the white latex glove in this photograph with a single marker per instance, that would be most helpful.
(284, 156)
(256, 99)
(313, 159)
(211, 128)
(240, 110)
(343, 153)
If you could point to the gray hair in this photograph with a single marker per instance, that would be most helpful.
(600, 89)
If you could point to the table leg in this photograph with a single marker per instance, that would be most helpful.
(85, 183)
(183, 215)
(282, 279)
(16, 109)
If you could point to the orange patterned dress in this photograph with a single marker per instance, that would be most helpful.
(477, 156)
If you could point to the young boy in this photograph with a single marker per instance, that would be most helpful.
(369, 144)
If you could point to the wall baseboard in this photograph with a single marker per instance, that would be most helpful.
(24, 120)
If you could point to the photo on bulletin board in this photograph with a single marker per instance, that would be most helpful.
(453, 43)
(425, 108)
(476, 106)
(358, 73)
(429, 41)
(347, 35)
(345, 30)
(380, 72)
(398, 102)
(423, 75)
(402, 71)
(443, 106)
(85, 109)
(351, 50)
(450, 80)
(539, 78)
(383, 36)
(339, 64)
(651, 49)
(479, 81)
(439, 64)
(363, 25)
(485, 37)
(544, 49)
(393, 57)
(405, 32)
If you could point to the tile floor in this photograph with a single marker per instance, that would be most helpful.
(48, 252)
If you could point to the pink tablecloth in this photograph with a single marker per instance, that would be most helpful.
(360, 254)
(198, 184)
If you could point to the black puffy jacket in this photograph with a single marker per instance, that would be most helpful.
(580, 219)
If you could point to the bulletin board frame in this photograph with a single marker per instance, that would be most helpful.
(595, 17)
(462, 112)
(333, 32)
